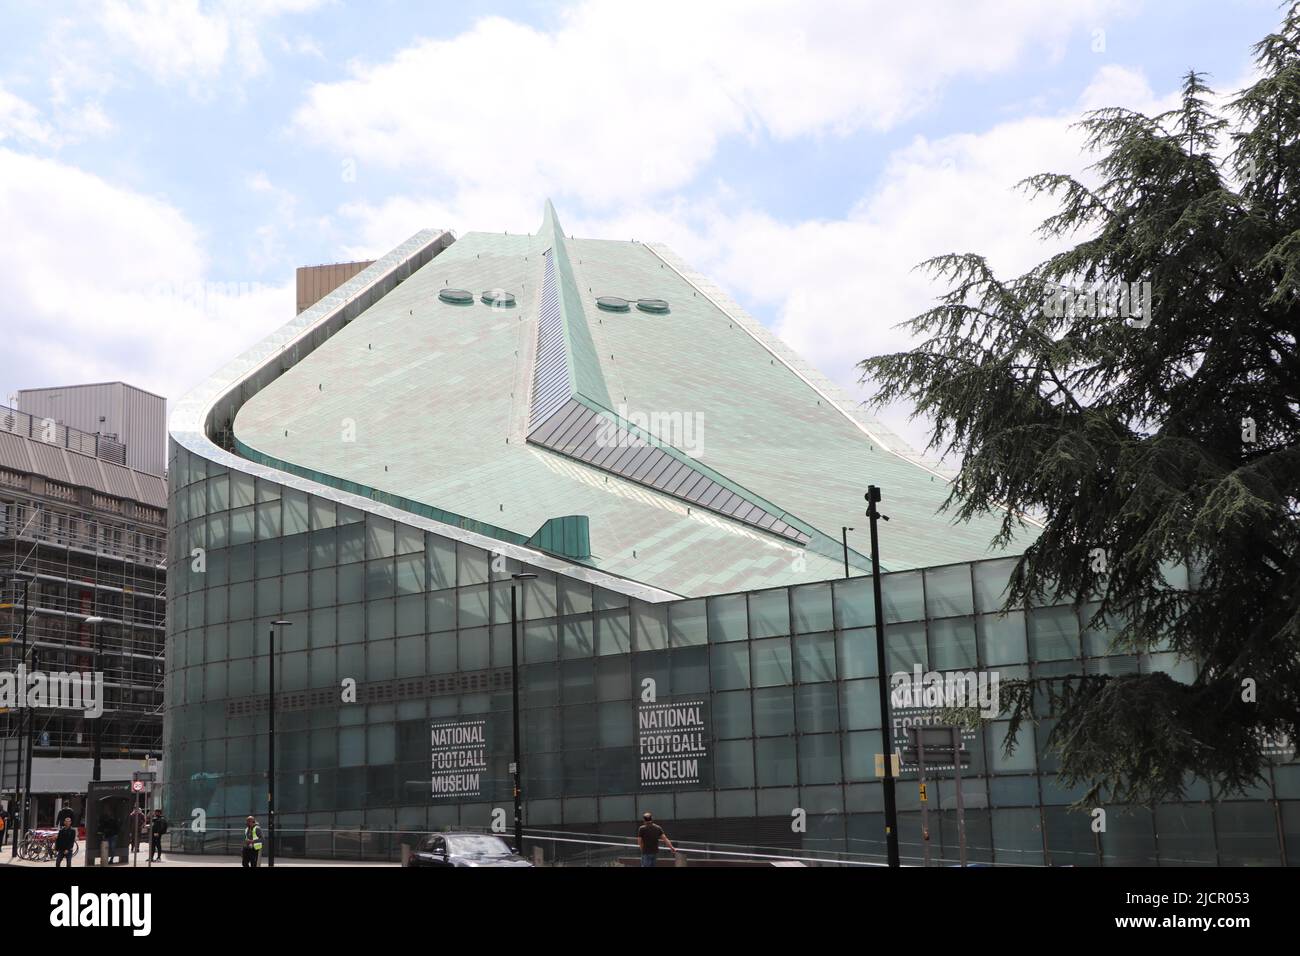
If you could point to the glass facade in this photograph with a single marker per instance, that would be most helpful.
(762, 704)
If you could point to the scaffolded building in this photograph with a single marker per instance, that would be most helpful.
(82, 543)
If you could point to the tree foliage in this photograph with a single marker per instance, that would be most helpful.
(1174, 444)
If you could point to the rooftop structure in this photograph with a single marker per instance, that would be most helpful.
(599, 400)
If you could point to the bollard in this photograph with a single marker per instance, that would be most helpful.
(406, 854)
(539, 856)
(679, 858)
(103, 853)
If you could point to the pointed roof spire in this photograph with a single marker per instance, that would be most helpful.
(551, 223)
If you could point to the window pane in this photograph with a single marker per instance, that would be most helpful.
(771, 662)
(729, 664)
(860, 703)
(948, 591)
(812, 608)
(817, 710)
(727, 618)
(819, 759)
(775, 760)
(1002, 638)
(857, 652)
(952, 643)
(814, 657)
(991, 579)
(774, 711)
(902, 593)
(1053, 634)
(769, 613)
(731, 715)
(688, 623)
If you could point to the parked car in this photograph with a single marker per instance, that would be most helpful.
(464, 849)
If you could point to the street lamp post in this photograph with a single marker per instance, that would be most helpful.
(17, 816)
(891, 807)
(95, 734)
(514, 690)
(270, 749)
(844, 535)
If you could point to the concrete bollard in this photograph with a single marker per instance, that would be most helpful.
(539, 856)
(103, 854)
(406, 854)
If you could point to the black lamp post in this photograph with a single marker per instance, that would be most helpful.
(95, 735)
(270, 749)
(16, 816)
(844, 535)
(891, 806)
(514, 690)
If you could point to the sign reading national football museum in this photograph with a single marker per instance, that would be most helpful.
(671, 743)
(459, 757)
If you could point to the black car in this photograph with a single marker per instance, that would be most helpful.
(464, 849)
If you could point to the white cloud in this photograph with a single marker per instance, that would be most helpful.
(624, 101)
(21, 121)
(186, 40)
(108, 283)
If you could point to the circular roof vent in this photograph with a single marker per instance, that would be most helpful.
(612, 303)
(498, 299)
(652, 305)
(456, 296)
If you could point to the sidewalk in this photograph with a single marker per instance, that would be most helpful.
(184, 860)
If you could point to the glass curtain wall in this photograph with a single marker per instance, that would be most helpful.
(396, 631)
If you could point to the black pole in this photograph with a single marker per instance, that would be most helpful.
(99, 650)
(270, 760)
(17, 813)
(891, 807)
(844, 533)
(514, 692)
(31, 745)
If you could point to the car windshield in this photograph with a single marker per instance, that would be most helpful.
(478, 846)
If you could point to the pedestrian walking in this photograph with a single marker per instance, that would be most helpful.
(136, 823)
(108, 830)
(65, 842)
(252, 842)
(157, 827)
(650, 835)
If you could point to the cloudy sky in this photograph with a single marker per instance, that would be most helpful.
(165, 164)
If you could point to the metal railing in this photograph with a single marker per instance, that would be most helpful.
(53, 433)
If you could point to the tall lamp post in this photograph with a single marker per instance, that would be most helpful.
(514, 690)
(844, 536)
(95, 735)
(16, 817)
(891, 807)
(270, 748)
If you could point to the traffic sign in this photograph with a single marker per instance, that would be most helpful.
(924, 797)
(137, 786)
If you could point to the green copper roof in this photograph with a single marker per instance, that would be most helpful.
(429, 402)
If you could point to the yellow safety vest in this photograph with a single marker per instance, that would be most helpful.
(254, 834)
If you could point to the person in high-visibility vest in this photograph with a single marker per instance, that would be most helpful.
(252, 841)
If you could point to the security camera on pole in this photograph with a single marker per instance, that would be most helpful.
(891, 807)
